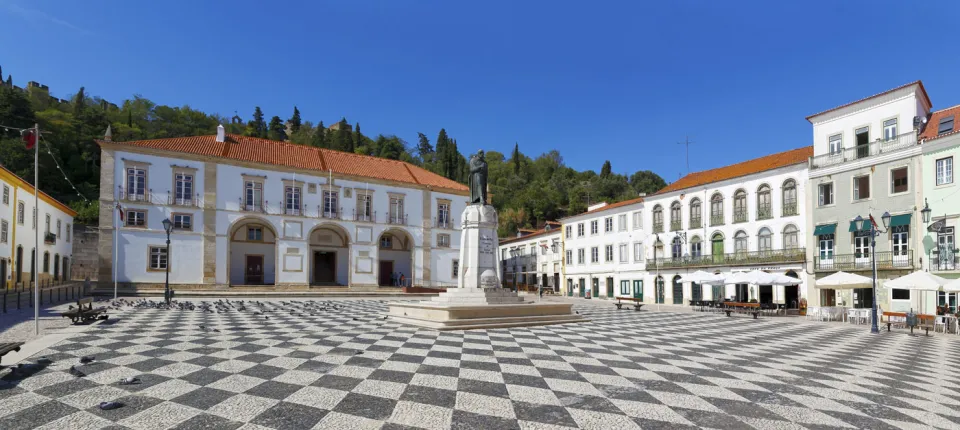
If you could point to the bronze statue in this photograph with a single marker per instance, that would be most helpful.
(478, 179)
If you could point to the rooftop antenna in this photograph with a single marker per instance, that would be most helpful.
(687, 142)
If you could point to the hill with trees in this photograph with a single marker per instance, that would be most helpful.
(526, 191)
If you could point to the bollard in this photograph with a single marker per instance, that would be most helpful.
(4, 302)
(18, 300)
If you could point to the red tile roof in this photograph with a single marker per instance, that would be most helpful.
(257, 150)
(608, 207)
(933, 124)
(537, 233)
(749, 167)
(923, 91)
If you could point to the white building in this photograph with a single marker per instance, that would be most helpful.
(603, 250)
(18, 228)
(746, 216)
(250, 211)
(533, 259)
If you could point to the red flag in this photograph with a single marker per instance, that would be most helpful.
(29, 138)
(121, 211)
(873, 221)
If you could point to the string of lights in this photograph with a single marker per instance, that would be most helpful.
(47, 146)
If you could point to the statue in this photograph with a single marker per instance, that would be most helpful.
(478, 179)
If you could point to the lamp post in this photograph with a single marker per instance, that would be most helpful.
(167, 226)
(873, 251)
(926, 220)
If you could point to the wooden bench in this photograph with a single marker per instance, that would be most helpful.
(925, 321)
(84, 311)
(742, 308)
(6, 347)
(636, 302)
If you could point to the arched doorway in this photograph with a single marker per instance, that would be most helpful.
(716, 247)
(329, 255)
(33, 265)
(66, 268)
(56, 267)
(18, 268)
(677, 290)
(252, 257)
(791, 293)
(395, 258)
(659, 289)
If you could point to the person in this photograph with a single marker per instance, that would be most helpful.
(402, 279)
(393, 279)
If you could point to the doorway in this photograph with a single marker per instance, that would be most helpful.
(658, 290)
(791, 296)
(677, 291)
(610, 287)
(766, 294)
(3, 272)
(556, 282)
(253, 274)
(19, 265)
(638, 289)
(324, 267)
(742, 293)
(386, 273)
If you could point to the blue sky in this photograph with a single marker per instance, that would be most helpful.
(622, 81)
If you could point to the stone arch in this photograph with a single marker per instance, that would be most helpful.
(395, 255)
(329, 254)
(252, 252)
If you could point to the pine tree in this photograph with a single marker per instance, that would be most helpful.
(443, 154)
(357, 137)
(319, 136)
(344, 138)
(129, 117)
(605, 170)
(10, 81)
(515, 158)
(424, 148)
(258, 126)
(277, 129)
(79, 102)
(295, 120)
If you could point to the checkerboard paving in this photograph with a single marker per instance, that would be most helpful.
(347, 368)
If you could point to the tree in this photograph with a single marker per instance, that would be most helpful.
(130, 118)
(605, 170)
(358, 138)
(257, 127)
(424, 148)
(277, 129)
(319, 136)
(645, 181)
(390, 147)
(343, 138)
(79, 102)
(9, 81)
(295, 120)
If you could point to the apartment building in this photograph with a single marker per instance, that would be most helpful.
(250, 211)
(742, 217)
(533, 259)
(941, 200)
(603, 251)
(867, 162)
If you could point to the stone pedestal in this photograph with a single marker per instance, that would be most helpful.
(479, 301)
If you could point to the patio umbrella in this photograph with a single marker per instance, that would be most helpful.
(952, 286)
(917, 281)
(844, 281)
(701, 277)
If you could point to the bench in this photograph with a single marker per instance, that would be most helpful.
(925, 321)
(6, 347)
(742, 308)
(85, 311)
(636, 302)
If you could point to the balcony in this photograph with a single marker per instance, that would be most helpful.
(397, 219)
(872, 149)
(675, 226)
(945, 261)
(696, 223)
(49, 238)
(330, 213)
(790, 208)
(716, 219)
(740, 215)
(793, 255)
(251, 206)
(886, 260)
(364, 216)
(442, 222)
(765, 212)
(658, 227)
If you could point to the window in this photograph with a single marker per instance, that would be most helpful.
(861, 244)
(68, 234)
(554, 245)
(291, 197)
(569, 256)
(136, 218)
(765, 244)
(764, 203)
(861, 187)
(898, 180)
(696, 213)
(637, 220)
(890, 129)
(364, 207)
(899, 237)
(624, 288)
(789, 198)
(136, 183)
(624, 253)
(740, 242)
(569, 231)
(790, 237)
(580, 230)
(608, 253)
(253, 195)
(899, 294)
(6, 195)
(46, 223)
(740, 206)
(3, 231)
(46, 262)
(826, 246)
(443, 214)
(608, 224)
(622, 222)
(716, 209)
(594, 227)
(594, 254)
(183, 189)
(696, 247)
(946, 125)
(675, 221)
(944, 172)
(158, 258)
(944, 253)
(657, 219)
(862, 135)
(182, 221)
(826, 194)
(255, 234)
(330, 204)
(676, 248)
(443, 240)
(836, 144)
(58, 229)
(20, 212)
(543, 249)
(580, 256)
(456, 268)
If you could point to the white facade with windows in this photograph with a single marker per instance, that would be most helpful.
(604, 255)
(534, 260)
(941, 151)
(249, 222)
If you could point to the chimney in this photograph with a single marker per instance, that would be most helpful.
(221, 134)
(108, 136)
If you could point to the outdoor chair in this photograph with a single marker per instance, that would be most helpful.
(813, 312)
(853, 316)
(940, 324)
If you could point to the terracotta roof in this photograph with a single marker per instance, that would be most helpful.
(22, 183)
(253, 149)
(930, 132)
(538, 233)
(757, 165)
(608, 207)
(922, 91)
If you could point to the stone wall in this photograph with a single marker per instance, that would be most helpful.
(85, 241)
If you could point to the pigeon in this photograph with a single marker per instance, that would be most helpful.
(106, 406)
(86, 359)
(129, 381)
(77, 373)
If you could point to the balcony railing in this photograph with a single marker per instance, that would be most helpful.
(330, 213)
(397, 219)
(169, 198)
(765, 212)
(675, 225)
(740, 215)
(872, 149)
(793, 255)
(49, 238)
(696, 223)
(442, 222)
(716, 219)
(945, 261)
(789, 208)
(364, 216)
(252, 206)
(886, 260)
(658, 227)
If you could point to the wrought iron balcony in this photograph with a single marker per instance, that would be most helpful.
(696, 223)
(792, 255)
(945, 261)
(442, 222)
(49, 238)
(790, 208)
(675, 225)
(740, 215)
(364, 216)
(658, 227)
(252, 206)
(765, 212)
(872, 149)
(397, 219)
(716, 219)
(886, 260)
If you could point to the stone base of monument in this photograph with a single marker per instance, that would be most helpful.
(475, 308)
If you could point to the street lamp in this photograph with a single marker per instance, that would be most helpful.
(926, 212)
(167, 226)
(858, 222)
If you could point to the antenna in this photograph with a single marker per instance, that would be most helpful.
(687, 142)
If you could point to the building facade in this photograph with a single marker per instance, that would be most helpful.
(941, 149)
(532, 259)
(19, 222)
(743, 217)
(249, 211)
(866, 162)
(603, 251)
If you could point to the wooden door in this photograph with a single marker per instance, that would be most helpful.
(253, 275)
(324, 267)
(638, 289)
(386, 270)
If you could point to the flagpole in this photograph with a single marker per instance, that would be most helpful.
(36, 220)
(116, 242)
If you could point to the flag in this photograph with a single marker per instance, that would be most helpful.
(29, 138)
(873, 221)
(120, 209)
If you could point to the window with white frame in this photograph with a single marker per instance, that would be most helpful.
(569, 256)
(861, 244)
(898, 236)
(183, 221)
(136, 218)
(158, 258)
(3, 231)
(890, 129)
(740, 242)
(291, 197)
(898, 181)
(836, 144)
(861, 187)
(253, 196)
(637, 220)
(364, 207)
(568, 231)
(20, 213)
(554, 246)
(624, 253)
(443, 214)
(397, 215)
(46, 223)
(580, 256)
(6, 195)
(622, 222)
(136, 183)
(791, 238)
(443, 240)
(331, 204)
(638, 251)
(593, 227)
(945, 171)
(608, 224)
(696, 247)
(580, 230)
(543, 249)
(595, 254)
(59, 230)
(608, 253)
(765, 242)
(825, 195)
(255, 233)
(676, 248)
(183, 189)
(696, 213)
(826, 246)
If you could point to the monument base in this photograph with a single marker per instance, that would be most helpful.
(439, 316)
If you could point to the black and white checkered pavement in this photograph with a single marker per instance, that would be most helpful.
(347, 368)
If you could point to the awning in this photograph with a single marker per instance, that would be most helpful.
(866, 225)
(825, 229)
(899, 220)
